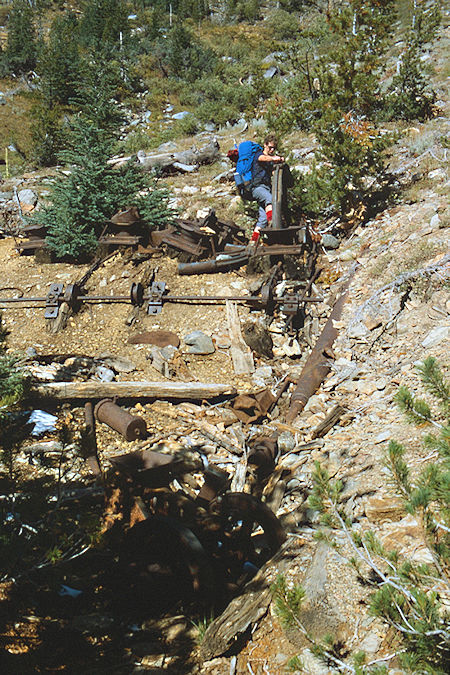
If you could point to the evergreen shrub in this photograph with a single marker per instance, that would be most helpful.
(21, 47)
(409, 596)
(82, 202)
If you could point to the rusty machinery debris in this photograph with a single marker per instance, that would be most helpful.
(194, 238)
(212, 540)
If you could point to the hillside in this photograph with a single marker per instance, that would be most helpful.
(76, 596)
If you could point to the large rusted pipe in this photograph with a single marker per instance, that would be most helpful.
(129, 426)
(317, 365)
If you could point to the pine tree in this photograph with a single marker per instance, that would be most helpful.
(104, 25)
(84, 201)
(349, 74)
(47, 134)
(21, 47)
(411, 95)
(60, 64)
(183, 56)
(429, 493)
(351, 149)
(407, 596)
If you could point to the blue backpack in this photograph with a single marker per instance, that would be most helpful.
(243, 175)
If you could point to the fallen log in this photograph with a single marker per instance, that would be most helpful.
(317, 365)
(158, 390)
(184, 161)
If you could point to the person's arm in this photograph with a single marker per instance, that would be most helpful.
(276, 159)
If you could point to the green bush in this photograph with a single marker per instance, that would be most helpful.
(283, 25)
(409, 597)
(104, 25)
(181, 55)
(411, 96)
(47, 133)
(351, 149)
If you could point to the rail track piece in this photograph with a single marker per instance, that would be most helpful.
(199, 238)
(125, 228)
(36, 239)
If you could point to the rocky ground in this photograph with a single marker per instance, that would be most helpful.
(397, 313)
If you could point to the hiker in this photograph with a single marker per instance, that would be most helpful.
(261, 183)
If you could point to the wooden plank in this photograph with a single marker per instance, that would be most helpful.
(241, 354)
(249, 607)
(94, 390)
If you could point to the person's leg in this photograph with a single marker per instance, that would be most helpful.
(263, 196)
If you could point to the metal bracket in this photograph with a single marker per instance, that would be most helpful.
(155, 297)
(290, 304)
(52, 301)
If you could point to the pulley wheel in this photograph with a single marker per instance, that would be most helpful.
(71, 295)
(137, 294)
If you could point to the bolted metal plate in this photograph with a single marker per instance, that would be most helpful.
(52, 301)
(155, 297)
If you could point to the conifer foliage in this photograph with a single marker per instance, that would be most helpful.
(82, 202)
(60, 64)
(411, 95)
(21, 47)
(409, 596)
(427, 494)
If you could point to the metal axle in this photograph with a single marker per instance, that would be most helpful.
(154, 296)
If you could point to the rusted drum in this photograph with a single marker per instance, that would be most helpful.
(128, 425)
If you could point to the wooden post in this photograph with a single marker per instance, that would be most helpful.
(241, 354)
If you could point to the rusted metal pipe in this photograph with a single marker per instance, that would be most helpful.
(317, 365)
(90, 439)
(128, 425)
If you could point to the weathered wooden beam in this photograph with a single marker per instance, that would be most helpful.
(158, 390)
(249, 607)
(241, 355)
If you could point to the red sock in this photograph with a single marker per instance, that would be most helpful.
(269, 213)
(255, 235)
